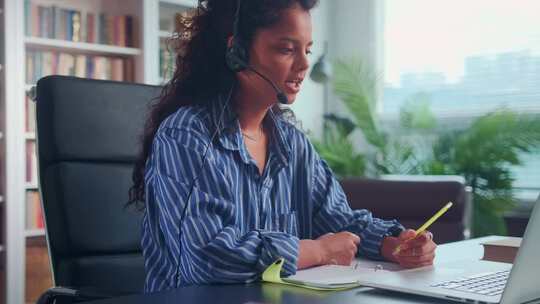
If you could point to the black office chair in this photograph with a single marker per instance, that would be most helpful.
(87, 140)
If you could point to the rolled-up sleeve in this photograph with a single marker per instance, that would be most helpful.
(332, 212)
(209, 245)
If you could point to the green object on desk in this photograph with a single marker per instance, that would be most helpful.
(272, 274)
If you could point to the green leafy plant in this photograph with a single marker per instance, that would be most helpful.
(482, 153)
(338, 150)
(353, 84)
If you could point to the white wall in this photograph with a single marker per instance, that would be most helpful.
(356, 31)
(308, 106)
(353, 28)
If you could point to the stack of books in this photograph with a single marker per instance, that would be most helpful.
(503, 250)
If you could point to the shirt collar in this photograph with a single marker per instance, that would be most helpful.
(280, 140)
(230, 134)
(225, 120)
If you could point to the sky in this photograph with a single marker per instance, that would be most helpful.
(437, 35)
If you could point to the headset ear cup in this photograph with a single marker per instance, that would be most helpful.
(234, 62)
(242, 51)
(236, 57)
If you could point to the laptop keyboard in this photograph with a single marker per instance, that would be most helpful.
(490, 284)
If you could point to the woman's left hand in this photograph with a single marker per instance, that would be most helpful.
(413, 252)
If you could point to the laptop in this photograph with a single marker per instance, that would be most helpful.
(478, 281)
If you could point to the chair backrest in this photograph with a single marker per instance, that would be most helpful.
(412, 202)
(88, 136)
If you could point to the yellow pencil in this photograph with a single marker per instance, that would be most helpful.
(427, 224)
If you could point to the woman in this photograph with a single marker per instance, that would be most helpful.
(229, 183)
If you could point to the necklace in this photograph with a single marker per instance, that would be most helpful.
(253, 138)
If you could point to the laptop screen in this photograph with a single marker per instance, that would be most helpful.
(524, 285)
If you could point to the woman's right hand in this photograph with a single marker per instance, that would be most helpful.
(338, 248)
(331, 248)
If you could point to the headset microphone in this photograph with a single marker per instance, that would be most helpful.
(281, 97)
(237, 57)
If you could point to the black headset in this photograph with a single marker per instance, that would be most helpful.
(237, 55)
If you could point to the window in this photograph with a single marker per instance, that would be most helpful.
(467, 58)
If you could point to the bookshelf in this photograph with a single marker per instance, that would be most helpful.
(31, 186)
(30, 135)
(80, 38)
(34, 232)
(61, 37)
(88, 48)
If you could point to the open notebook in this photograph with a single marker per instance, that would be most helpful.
(328, 277)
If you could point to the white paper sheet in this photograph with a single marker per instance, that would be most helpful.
(337, 275)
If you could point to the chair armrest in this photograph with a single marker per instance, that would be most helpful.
(405, 199)
(414, 201)
(62, 295)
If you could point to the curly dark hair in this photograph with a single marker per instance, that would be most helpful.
(200, 43)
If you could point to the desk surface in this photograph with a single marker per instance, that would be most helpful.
(274, 293)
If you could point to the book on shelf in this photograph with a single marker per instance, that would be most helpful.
(30, 117)
(51, 21)
(43, 63)
(34, 214)
(503, 250)
(90, 28)
(103, 29)
(31, 162)
(76, 26)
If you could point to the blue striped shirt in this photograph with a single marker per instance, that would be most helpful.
(238, 221)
